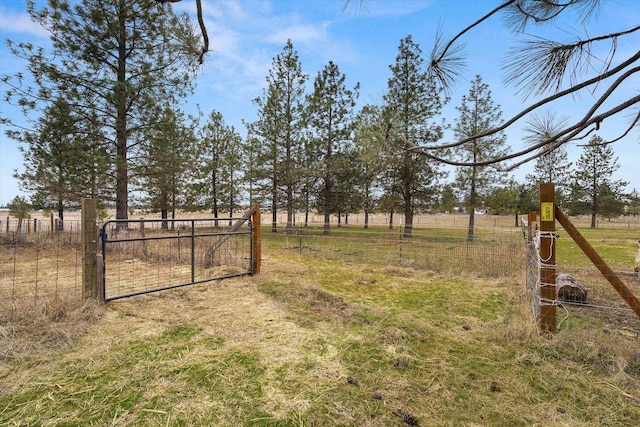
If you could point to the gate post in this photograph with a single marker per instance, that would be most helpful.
(89, 249)
(256, 241)
(547, 259)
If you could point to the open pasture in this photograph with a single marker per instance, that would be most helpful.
(332, 334)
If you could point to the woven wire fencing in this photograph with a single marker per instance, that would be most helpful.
(496, 253)
(601, 300)
(532, 269)
(39, 266)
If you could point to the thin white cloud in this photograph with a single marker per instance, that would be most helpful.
(19, 23)
(386, 8)
(300, 33)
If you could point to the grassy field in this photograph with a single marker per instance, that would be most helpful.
(324, 341)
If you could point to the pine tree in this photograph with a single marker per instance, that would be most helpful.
(594, 185)
(231, 176)
(478, 113)
(113, 61)
(552, 165)
(370, 133)
(330, 119)
(215, 173)
(550, 72)
(64, 162)
(411, 102)
(19, 208)
(448, 200)
(278, 133)
(168, 153)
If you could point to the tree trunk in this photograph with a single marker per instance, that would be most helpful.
(274, 216)
(472, 219)
(274, 196)
(289, 229)
(408, 221)
(122, 172)
(164, 216)
(60, 216)
(164, 210)
(327, 205)
(472, 198)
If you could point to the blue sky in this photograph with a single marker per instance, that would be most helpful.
(363, 41)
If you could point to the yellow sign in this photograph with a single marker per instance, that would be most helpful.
(546, 211)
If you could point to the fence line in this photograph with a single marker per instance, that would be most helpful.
(489, 254)
(46, 264)
(532, 269)
(38, 273)
(602, 299)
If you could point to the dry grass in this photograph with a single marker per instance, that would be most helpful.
(318, 342)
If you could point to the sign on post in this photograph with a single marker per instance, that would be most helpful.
(547, 256)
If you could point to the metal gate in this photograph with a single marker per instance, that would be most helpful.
(150, 255)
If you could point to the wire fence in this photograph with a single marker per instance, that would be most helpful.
(532, 269)
(495, 253)
(581, 289)
(42, 264)
(38, 269)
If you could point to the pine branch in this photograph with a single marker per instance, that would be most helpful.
(540, 66)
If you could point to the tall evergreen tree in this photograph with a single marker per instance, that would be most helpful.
(553, 164)
(330, 118)
(448, 199)
(64, 162)
(369, 142)
(231, 175)
(411, 103)
(19, 207)
(478, 113)
(112, 61)
(217, 155)
(594, 185)
(168, 153)
(279, 130)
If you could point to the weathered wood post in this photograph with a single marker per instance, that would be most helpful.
(532, 218)
(256, 242)
(89, 249)
(622, 289)
(547, 254)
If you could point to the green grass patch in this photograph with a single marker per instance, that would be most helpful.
(325, 338)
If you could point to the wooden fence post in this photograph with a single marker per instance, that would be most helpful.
(256, 241)
(89, 249)
(547, 254)
(532, 218)
(622, 289)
